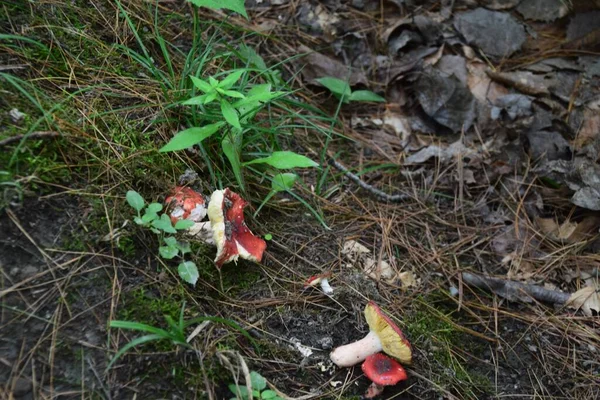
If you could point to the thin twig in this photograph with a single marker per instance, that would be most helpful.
(391, 198)
(513, 290)
(31, 136)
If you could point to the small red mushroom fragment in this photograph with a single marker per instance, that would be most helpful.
(383, 335)
(383, 370)
(185, 203)
(322, 279)
(230, 233)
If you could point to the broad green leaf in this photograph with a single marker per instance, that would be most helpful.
(258, 382)
(285, 160)
(184, 224)
(282, 182)
(170, 241)
(149, 216)
(366, 95)
(184, 247)
(196, 101)
(252, 57)
(268, 394)
(213, 82)
(203, 86)
(233, 5)
(231, 149)
(336, 86)
(135, 200)
(232, 93)
(189, 137)
(239, 390)
(258, 98)
(210, 97)
(232, 78)
(164, 224)
(168, 252)
(138, 221)
(154, 207)
(188, 272)
(230, 114)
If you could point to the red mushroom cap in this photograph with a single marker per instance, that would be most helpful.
(315, 279)
(230, 233)
(383, 370)
(185, 203)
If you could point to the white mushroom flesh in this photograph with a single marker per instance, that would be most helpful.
(354, 353)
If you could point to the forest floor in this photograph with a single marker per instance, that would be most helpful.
(488, 139)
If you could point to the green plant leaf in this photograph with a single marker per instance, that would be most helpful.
(135, 200)
(196, 101)
(164, 224)
(168, 252)
(239, 390)
(233, 5)
(184, 247)
(148, 217)
(285, 160)
(154, 207)
(133, 343)
(232, 93)
(336, 86)
(230, 114)
(139, 221)
(232, 78)
(203, 86)
(366, 95)
(210, 97)
(170, 241)
(250, 55)
(268, 394)
(283, 182)
(213, 82)
(188, 272)
(189, 137)
(231, 149)
(258, 382)
(184, 224)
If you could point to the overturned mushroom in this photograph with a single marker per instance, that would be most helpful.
(382, 371)
(230, 233)
(323, 280)
(383, 335)
(185, 203)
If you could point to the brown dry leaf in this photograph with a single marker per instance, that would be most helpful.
(481, 85)
(589, 131)
(520, 269)
(407, 278)
(379, 271)
(569, 232)
(318, 66)
(352, 249)
(587, 299)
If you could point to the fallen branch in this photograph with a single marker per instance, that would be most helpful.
(395, 198)
(31, 136)
(514, 291)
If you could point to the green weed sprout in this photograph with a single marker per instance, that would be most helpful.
(341, 89)
(259, 384)
(161, 225)
(175, 333)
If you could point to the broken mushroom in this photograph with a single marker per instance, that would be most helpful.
(185, 203)
(322, 279)
(382, 371)
(230, 233)
(383, 335)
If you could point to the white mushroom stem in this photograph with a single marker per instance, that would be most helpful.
(326, 287)
(354, 353)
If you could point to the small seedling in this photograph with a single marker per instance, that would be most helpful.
(259, 384)
(341, 89)
(175, 333)
(161, 225)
